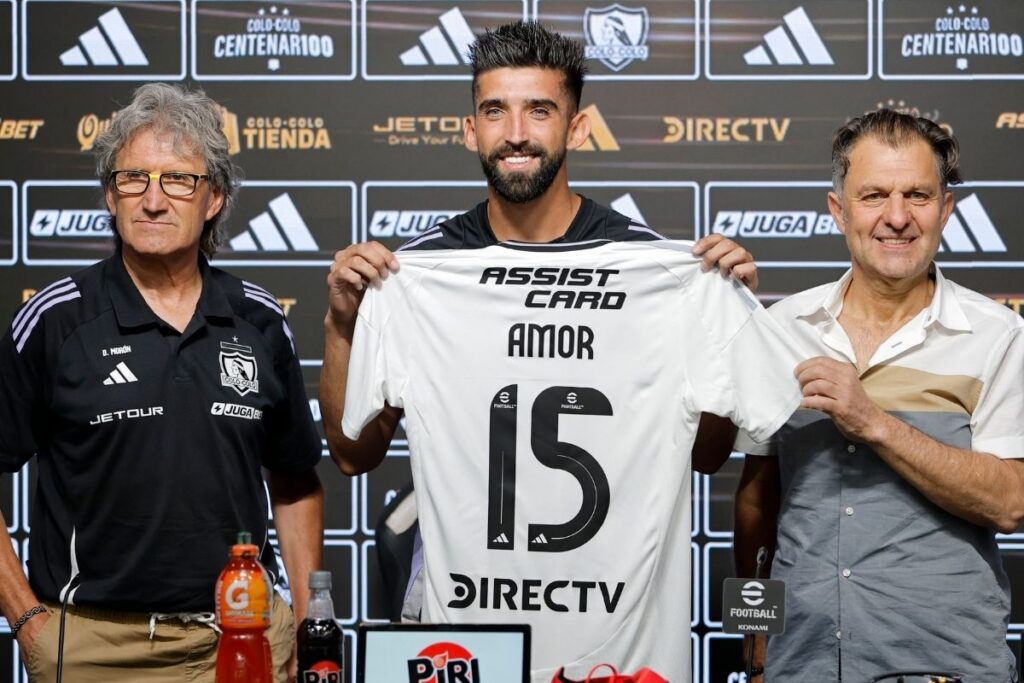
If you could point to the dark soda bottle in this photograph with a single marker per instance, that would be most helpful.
(243, 599)
(321, 657)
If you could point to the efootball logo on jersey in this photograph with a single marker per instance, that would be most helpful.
(70, 40)
(786, 40)
(444, 663)
(616, 35)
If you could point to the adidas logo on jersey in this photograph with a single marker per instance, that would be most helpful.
(969, 229)
(781, 48)
(601, 137)
(120, 375)
(111, 43)
(279, 229)
(444, 45)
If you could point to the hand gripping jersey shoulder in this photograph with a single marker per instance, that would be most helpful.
(552, 395)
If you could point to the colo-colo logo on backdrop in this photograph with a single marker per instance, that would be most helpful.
(444, 663)
(616, 35)
(796, 229)
(254, 41)
(979, 39)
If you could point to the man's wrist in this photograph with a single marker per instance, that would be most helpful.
(24, 618)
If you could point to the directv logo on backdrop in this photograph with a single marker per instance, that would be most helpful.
(789, 40)
(66, 40)
(428, 39)
(295, 40)
(289, 223)
(792, 229)
(928, 40)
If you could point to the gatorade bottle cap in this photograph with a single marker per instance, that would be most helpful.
(320, 580)
(244, 538)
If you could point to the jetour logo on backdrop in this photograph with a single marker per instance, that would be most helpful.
(65, 40)
(794, 229)
(925, 40)
(294, 40)
(788, 40)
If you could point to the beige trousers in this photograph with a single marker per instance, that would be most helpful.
(104, 646)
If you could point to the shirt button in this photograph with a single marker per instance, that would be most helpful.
(851, 448)
(846, 573)
(849, 511)
(839, 635)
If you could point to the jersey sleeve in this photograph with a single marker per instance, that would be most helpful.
(371, 380)
(997, 423)
(22, 381)
(743, 366)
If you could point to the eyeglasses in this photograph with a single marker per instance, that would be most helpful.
(174, 183)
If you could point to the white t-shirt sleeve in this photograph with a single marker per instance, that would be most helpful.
(745, 370)
(371, 380)
(997, 423)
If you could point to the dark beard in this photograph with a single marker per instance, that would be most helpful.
(519, 188)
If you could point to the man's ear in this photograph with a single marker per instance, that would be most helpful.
(835, 207)
(579, 130)
(469, 134)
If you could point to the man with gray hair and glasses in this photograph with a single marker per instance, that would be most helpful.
(881, 497)
(157, 393)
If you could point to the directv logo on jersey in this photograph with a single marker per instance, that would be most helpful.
(774, 224)
(962, 34)
(273, 34)
(444, 663)
(70, 223)
(534, 595)
(616, 35)
(406, 223)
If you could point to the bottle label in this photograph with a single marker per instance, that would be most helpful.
(243, 600)
(324, 671)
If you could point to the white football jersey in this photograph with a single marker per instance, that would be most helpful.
(552, 395)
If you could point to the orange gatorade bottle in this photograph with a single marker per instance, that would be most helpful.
(243, 598)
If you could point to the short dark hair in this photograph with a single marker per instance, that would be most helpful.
(896, 129)
(528, 44)
(194, 123)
